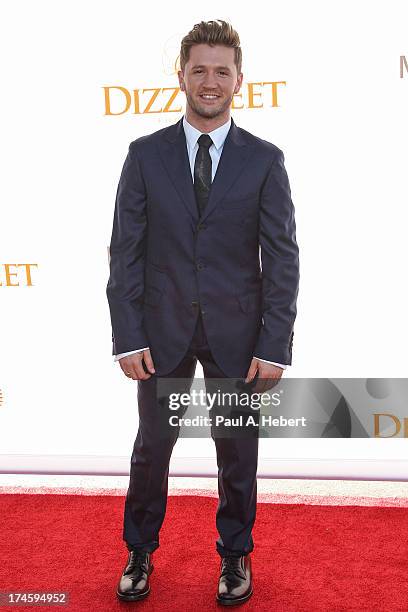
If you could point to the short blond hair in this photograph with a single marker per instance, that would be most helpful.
(212, 33)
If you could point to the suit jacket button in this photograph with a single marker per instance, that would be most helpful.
(200, 266)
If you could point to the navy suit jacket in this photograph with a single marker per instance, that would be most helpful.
(238, 264)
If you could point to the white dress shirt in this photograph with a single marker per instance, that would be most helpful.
(218, 137)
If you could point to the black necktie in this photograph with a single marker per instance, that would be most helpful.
(203, 172)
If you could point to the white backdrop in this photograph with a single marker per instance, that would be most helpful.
(341, 122)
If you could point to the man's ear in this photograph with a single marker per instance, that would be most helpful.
(239, 83)
(181, 83)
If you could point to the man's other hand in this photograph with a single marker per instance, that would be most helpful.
(268, 375)
(132, 365)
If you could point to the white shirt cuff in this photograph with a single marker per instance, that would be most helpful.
(117, 357)
(280, 365)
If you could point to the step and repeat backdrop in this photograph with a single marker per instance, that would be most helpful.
(328, 84)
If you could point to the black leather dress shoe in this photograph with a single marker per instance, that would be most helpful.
(134, 582)
(235, 584)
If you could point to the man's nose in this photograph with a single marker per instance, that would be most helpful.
(210, 81)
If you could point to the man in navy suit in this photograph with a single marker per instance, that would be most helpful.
(197, 203)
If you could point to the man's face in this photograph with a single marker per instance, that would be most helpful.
(210, 70)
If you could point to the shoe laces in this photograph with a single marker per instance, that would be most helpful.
(137, 559)
(232, 565)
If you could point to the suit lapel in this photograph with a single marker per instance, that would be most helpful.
(173, 153)
(234, 155)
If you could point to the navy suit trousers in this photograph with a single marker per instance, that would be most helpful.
(237, 459)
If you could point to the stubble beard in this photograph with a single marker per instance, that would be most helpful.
(210, 112)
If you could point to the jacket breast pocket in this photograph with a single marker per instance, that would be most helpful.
(241, 203)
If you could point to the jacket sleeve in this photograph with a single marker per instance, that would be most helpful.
(125, 286)
(280, 266)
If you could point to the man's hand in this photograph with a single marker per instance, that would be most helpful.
(268, 375)
(132, 365)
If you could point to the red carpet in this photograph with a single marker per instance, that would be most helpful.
(307, 557)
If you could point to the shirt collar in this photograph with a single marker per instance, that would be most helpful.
(217, 136)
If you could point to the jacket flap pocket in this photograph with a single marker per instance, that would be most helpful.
(250, 302)
(153, 296)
